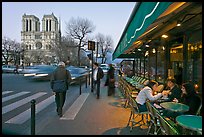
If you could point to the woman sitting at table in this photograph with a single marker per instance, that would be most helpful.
(147, 94)
(190, 98)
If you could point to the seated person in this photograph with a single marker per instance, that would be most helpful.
(190, 98)
(147, 94)
(120, 71)
(175, 91)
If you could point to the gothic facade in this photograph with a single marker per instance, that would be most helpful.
(36, 42)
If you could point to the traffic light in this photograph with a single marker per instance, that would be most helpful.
(91, 45)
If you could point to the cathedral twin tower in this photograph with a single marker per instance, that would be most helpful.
(34, 39)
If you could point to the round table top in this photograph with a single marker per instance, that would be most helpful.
(176, 107)
(192, 122)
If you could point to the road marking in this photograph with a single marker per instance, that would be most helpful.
(75, 107)
(24, 116)
(14, 96)
(14, 105)
(6, 92)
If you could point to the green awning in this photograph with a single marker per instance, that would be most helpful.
(143, 15)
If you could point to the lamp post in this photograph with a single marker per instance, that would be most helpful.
(91, 46)
(22, 58)
(97, 51)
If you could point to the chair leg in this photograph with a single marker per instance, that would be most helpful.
(129, 119)
(149, 129)
(125, 103)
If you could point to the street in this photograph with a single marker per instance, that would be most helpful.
(17, 93)
(82, 114)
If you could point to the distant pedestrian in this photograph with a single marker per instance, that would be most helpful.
(110, 80)
(62, 76)
(97, 76)
(16, 69)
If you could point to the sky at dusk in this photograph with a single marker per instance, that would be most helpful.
(109, 18)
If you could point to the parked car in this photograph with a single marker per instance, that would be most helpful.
(104, 67)
(10, 69)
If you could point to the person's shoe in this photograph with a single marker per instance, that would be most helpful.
(60, 112)
(60, 115)
(97, 97)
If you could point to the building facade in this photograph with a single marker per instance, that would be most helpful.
(37, 43)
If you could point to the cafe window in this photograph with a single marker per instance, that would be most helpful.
(152, 63)
(146, 64)
(176, 59)
(160, 64)
(195, 63)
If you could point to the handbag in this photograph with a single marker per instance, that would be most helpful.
(112, 80)
(112, 83)
(59, 86)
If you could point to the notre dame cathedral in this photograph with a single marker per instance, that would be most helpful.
(37, 43)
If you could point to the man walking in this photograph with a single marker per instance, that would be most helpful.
(97, 76)
(60, 75)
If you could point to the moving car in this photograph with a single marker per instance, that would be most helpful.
(77, 74)
(44, 73)
(39, 72)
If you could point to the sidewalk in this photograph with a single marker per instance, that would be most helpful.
(103, 116)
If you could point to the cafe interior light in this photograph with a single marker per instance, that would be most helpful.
(178, 23)
(153, 51)
(200, 46)
(147, 45)
(146, 53)
(164, 36)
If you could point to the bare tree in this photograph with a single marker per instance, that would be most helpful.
(79, 29)
(11, 50)
(34, 57)
(104, 43)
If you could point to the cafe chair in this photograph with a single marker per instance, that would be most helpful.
(154, 123)
(198, 113)
(135, 113)
(129, 91)
(167, 128)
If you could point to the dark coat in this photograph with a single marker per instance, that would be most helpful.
(193, 101)
(100, 74)
(110, 75)
(60, 73)
(175, 93)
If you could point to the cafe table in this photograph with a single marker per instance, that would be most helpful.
(175, 107)
(191, 122)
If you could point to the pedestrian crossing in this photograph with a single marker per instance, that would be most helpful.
(26, 115)
(25, 97)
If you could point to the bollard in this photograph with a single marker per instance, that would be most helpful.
(80, 86)
(92, 84)
(89, 77)
(86, 81)
(33, 117)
